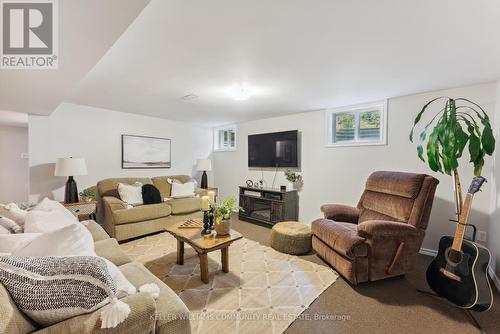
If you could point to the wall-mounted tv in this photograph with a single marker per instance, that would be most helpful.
(277, 149)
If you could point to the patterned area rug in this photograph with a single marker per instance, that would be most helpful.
(264, 291)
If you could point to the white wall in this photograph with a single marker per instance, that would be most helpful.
(95, 134)
(337, 175)
(494, 232)
(14, 169)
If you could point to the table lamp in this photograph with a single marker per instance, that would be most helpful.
(70, 167)
(204, 165)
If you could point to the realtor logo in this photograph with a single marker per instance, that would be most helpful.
(29, 34)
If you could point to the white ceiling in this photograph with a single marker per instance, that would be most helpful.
(298, 55)
(87, 30)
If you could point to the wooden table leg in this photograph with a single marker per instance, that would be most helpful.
(224, 256)
(180, 252)
(204, 267)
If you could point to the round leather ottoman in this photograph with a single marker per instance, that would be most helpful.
(291, 238)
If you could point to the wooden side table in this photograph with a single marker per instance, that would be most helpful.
(203, 245)
(87, 208)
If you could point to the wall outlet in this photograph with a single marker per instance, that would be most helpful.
(25, 156)
(481, 236)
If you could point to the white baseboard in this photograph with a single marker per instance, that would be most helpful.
(494, 278)
(427, 251)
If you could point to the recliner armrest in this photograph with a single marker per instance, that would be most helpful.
(114, 203)
(341, 213)
(386, 228)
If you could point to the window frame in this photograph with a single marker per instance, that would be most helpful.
(216, 137)
(357, 110)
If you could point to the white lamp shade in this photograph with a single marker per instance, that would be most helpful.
(203, 164)
(70, 167)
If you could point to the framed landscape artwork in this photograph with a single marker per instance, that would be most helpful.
(140, 152)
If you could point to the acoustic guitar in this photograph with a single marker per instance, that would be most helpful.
(459, 271)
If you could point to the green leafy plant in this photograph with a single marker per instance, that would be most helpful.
(222, 211)
(459, 124)
(292, 176)
(88, 193)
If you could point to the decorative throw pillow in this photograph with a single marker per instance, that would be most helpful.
(180, 190)
(73, 239)
(12, 211)
(50, 205)
(52, 289)
(10, 225)
(131, 193)
(150, 194)
(10, 242)
(38, 221)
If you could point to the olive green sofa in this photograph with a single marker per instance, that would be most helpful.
(165, 315)
(122, 222)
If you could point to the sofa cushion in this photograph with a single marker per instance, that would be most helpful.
(11, 319)
(165, 188)
(184, 205)
(172, 314)
(140, 320)
(141, 213)
(341, 237)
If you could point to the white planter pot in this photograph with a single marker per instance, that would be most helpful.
(290, 186)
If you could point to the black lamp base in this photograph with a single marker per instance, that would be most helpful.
(204, 180)
(71, 191)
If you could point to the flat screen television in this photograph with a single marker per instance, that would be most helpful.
(277, 149)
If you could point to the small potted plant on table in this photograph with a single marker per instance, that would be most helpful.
(221, 213)
(293, 179)
(88, 194)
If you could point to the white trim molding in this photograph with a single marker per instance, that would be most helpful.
(356, 110)
(428, 252)
(220, 145)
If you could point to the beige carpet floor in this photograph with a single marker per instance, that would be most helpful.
(264, 292)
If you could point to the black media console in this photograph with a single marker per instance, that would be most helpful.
(268, 206)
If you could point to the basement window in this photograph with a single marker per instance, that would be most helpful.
(357, 125)
(225, 138)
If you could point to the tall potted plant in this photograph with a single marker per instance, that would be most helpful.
(460, 123)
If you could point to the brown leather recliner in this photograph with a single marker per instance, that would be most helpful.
(382, 236)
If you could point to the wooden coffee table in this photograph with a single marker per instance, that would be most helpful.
(203, 244)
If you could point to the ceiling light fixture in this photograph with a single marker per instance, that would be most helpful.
(240, 92)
